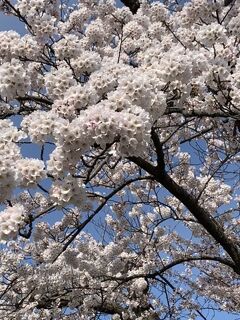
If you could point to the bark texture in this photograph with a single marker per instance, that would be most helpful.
(133, 5)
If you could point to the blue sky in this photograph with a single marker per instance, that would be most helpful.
(11, 23)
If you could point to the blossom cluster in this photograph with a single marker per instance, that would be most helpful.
(29, 171)
(11, 220)
(9, 41)
(14, 79)
(69, 190)
(9, 154)
(75, 99)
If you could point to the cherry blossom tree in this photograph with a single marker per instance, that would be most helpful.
(128, 207)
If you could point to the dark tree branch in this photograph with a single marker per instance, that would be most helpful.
(199, 113)
(133, 5)
(99, 208)
(173, 264)
(40, 100)
(228, 2)
(211, 225)
(17, 14)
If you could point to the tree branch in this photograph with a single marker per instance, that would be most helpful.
(99, 208)
(40, 100)
(211, 225)
(201, 113)
(133, 5)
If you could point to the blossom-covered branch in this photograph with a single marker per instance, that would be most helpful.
(119, 160)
